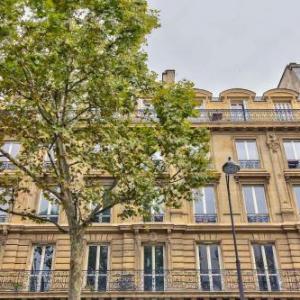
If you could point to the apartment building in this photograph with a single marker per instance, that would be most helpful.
(184, 253)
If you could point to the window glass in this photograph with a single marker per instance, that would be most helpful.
(92, 258)
(97, 267)
(247, 150)
(241, 150)
(40, 275)
(255, 203)
(267, 275)
(48, 208)
(148, 259)
(260, 199)
(252, 150)
(210, 199)
(297, 195)
(210, 271)
(292, 149)
(248, 198)
(11, 148)
(153, 268)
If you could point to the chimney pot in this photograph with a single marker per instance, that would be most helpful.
(168, 76)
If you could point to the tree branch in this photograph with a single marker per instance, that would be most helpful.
(29, 173)
(34, 217)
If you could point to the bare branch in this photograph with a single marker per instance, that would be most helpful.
(97, 210)
(34, 217)
(35, 178)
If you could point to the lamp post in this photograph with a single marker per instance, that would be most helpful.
(229, 168)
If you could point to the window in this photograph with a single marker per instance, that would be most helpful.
(48, 207)
(255, 203)
(40, 275)
(50, 155)
(210, 271)
(13, 149)
(200, 111)
(283, 111)
(292, 152)
(238, 111)
(154, 268)
(296, 189)
(247, 154)
(204, 205)
(156, 211)
(6, 198)
(103, 217)
(97, 267)
(158, 161)
(266, 267)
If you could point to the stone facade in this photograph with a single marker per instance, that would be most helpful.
(237, 114)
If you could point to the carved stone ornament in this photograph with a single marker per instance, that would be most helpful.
(272, 141)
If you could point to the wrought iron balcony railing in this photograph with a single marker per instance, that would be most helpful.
(205, 218)
(249, 164)
(233, 115)
(293, 164)
(155, 217)
(258, 218)
(166, 280)
(7, 165)
(3, 218)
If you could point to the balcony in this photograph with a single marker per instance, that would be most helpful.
(247, 115)
(154, 217)
(293, 164)
(3, 218)
(25, 283)
(258, 218)
(205, 218)
(249, 164)
(235, 116)
(6, 165)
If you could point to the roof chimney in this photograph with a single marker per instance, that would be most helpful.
(168, 76)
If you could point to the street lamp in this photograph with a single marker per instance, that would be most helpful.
(229, 168)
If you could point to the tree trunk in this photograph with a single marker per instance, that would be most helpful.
(76, 263)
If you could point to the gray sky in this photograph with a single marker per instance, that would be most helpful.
(221, 44)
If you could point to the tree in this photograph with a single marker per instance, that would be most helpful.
(72, 73)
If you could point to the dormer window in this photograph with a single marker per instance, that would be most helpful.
(283, 111)
(238, 111)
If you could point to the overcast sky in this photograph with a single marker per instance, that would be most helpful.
(221, 44)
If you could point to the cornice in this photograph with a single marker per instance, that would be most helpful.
(158, 227)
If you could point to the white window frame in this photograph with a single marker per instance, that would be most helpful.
(295, 196)
(100, 216)
(49, 208)
(40, 271)
(296, 155)
(3, 214)
(266, 273)
(245, 143)
(153, 273)
(204, 200)
(202, 190)
(239, 114)
(254, 198)
(209, 274)
(97, 274)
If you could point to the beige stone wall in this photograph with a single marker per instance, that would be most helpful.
(179, 233)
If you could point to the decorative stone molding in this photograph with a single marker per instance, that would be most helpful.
(273, 142)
